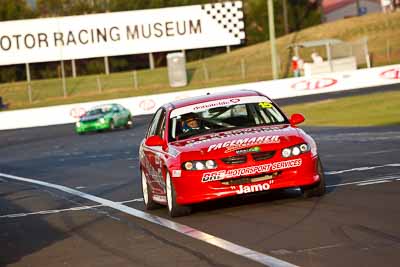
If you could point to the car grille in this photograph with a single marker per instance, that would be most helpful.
(257, 156)
(235, 159)
(252, 179)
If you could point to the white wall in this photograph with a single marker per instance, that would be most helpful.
(284, 88)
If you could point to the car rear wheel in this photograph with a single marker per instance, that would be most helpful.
(317, 189)
(149, 203)
(174, 209)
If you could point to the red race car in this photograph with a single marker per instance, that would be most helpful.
(221, 145)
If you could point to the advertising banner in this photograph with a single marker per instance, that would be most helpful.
(121, 33)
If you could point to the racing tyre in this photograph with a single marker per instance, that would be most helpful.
(111, 125)
(149, 203)
(129, 123)
(174, 209)
(317, 189)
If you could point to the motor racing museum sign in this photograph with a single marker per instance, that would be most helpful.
(121, 33)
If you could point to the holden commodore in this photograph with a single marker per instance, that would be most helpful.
(104, 117)
(221, 145)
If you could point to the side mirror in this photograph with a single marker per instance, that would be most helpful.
(296, 119)
(154, 140)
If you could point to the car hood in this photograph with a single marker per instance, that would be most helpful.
(240, 140)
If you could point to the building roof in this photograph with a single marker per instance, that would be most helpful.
(329, 6)
(322, 42)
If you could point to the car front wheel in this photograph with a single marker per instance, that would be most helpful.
(111, 125)
(174, 209)
(317, 189)
(129, 123)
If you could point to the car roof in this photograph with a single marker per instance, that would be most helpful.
(101, 106)
(211, 97)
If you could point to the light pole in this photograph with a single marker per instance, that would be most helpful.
(358, 7)
(272, 39)
(285, 16)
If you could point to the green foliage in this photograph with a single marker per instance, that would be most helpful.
(15, 9)
(8, 73)
(95, 66)
(366, 110)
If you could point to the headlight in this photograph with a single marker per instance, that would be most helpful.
(102, 120)
(199, 165)
(188, 165)
(78, 124)
(286, 152)
(210, 164)
(304, 147)
(295, 150)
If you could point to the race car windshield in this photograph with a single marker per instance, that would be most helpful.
(98, 110)
(95, 111)
(223, 118)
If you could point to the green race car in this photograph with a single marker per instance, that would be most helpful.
(104, 117)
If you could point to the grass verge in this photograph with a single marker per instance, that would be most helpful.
(376, 109)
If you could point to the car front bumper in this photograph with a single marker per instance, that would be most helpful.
(91, 126)
(190, 189)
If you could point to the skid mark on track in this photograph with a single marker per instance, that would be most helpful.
(377, 233)
(180, 228)
(306, 250)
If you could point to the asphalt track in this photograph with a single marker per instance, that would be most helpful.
(355, 224)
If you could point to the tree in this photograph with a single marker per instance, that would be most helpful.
(15, 9)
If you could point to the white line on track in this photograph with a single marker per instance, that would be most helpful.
(363, 168)
(364, 182)
(381, 151)
(376, 182)
(385, 179)
(42, 212)
(180, 228)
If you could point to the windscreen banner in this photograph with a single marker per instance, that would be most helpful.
(121, 33)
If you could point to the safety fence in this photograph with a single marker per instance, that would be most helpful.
(220, 70)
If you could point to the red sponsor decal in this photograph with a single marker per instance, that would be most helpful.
(77, 112)
(244, 189)
(393, 74)
(251, 170)
(244, 143)
(147, 104)
(313, 84)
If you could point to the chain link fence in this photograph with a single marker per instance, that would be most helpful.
(220, 70)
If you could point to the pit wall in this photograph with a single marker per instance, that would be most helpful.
(275, 89)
